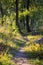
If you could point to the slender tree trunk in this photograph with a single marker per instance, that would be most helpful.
(27, 18)
(17, 23)
(16, 12)
(1, 10)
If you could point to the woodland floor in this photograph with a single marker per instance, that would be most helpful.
(20, 57)
(22, 49)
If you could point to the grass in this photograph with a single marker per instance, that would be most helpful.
(8, 48)
(33, 50)
(33, 38)
(35, 61)
(6, 60)
(9, 45)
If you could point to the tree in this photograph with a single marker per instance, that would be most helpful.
(27, 17)
(17, 23)
(1, 11)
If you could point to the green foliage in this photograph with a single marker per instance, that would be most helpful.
(9, 28)
(35, 12)
(6, 60)
(34, 51)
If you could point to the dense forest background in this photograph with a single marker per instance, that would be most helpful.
(24, 14)
(21, 22)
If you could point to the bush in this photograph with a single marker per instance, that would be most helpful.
(34, 50)
(6, 60)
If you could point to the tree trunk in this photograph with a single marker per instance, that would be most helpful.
(27, 18)
(17, 12)
(17, 23)
(1, 10)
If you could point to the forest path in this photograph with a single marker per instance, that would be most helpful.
(20, 57)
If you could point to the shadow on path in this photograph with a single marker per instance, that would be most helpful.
(20, 57)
